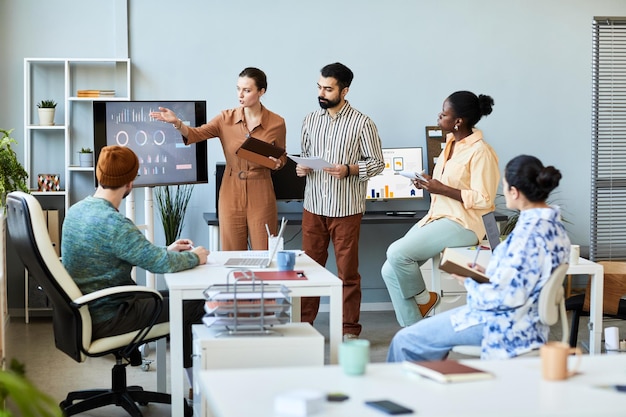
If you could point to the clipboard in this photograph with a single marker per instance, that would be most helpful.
(257, 151)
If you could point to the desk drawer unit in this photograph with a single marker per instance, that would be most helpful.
(294, 344)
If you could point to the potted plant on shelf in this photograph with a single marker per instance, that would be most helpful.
(46, 109)
(85, 157)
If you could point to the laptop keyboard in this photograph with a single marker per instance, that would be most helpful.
(247, 261)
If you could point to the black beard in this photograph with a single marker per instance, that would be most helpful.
(327, 104)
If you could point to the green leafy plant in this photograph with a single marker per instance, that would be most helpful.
(513, 215)
(172, 203)
(13, 176)
(17, 392)
(47, 104)
(85, 150)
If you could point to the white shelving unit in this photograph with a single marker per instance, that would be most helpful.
(54, 149)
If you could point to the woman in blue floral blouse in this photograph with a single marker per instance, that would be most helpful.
(501, 316)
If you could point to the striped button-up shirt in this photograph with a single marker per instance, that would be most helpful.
(349, 138)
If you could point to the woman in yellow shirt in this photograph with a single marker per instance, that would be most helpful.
(462, 187)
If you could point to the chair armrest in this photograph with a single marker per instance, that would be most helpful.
(121, 289)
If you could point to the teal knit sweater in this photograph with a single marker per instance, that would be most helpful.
(100, 246)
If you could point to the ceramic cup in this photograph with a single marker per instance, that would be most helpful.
(574, 254)
(273, 241)
(611, 339)
(554, 361)
(354, 355)
(286, 260)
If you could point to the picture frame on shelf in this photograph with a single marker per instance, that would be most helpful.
(49, 182)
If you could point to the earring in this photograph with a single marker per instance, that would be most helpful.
(456, 127)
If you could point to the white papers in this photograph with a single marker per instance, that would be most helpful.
(313, 162)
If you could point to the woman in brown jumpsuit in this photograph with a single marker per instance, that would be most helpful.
(246, 201)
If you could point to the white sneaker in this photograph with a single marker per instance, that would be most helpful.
(349, 336)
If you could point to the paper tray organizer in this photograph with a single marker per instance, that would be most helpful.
(246, 305)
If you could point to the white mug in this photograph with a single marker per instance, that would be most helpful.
(611, 338)
(574, 254)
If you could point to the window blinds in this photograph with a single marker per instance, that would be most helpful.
(608, 153)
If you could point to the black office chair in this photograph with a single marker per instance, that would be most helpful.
(71, 318)
(613, 305)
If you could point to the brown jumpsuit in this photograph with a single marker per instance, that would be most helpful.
(246, 201)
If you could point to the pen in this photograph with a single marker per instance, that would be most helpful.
(282, 226)
(476, 256)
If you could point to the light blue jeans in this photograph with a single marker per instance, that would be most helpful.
(431, 339)
(401, 272)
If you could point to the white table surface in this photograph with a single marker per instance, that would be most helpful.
(189, 284)
(517, 390)
(583, 267)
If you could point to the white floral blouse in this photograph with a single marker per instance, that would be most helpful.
(518, 269)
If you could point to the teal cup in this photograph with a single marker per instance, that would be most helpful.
(354, 355)
(286, 260)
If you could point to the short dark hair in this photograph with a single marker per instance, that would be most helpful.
(470, 107)
(531, 178)
(339, 72)
(259, 77)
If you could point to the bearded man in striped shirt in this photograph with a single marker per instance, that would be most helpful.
(334, 198)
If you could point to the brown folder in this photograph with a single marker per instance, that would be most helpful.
(257, 151)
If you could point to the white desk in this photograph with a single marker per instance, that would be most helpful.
(517, 390)
(584, 267)
(188, 285)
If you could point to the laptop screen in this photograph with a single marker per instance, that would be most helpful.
(491, 227)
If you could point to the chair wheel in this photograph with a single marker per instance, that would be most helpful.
(145, 367)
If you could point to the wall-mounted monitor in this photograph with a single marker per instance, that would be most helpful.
(164, 159)
(389, 184)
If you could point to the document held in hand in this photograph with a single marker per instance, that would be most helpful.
(313, 162)
(447, 370)
(453, 262)
(257, 151)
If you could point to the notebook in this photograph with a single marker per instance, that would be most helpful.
(491, 227)
(257, 262)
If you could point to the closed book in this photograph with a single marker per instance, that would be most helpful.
(453, 262)
(257, 151)
(447, 371)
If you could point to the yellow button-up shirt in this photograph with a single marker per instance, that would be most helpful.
(473, 169)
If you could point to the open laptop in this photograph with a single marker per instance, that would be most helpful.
(256, 262)
(491, 227)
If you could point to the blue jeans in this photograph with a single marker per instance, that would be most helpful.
(431, 339)
(401, 272)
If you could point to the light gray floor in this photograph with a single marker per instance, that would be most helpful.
(56, 374)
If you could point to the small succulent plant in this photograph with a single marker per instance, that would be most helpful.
(47, 104)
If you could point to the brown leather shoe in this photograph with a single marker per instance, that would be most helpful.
(425, 309)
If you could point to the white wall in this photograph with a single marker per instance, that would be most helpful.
(532, 56)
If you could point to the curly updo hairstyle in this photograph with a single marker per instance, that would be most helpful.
(528, 175)
(470, 107)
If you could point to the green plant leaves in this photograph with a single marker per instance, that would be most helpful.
(172, 204)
